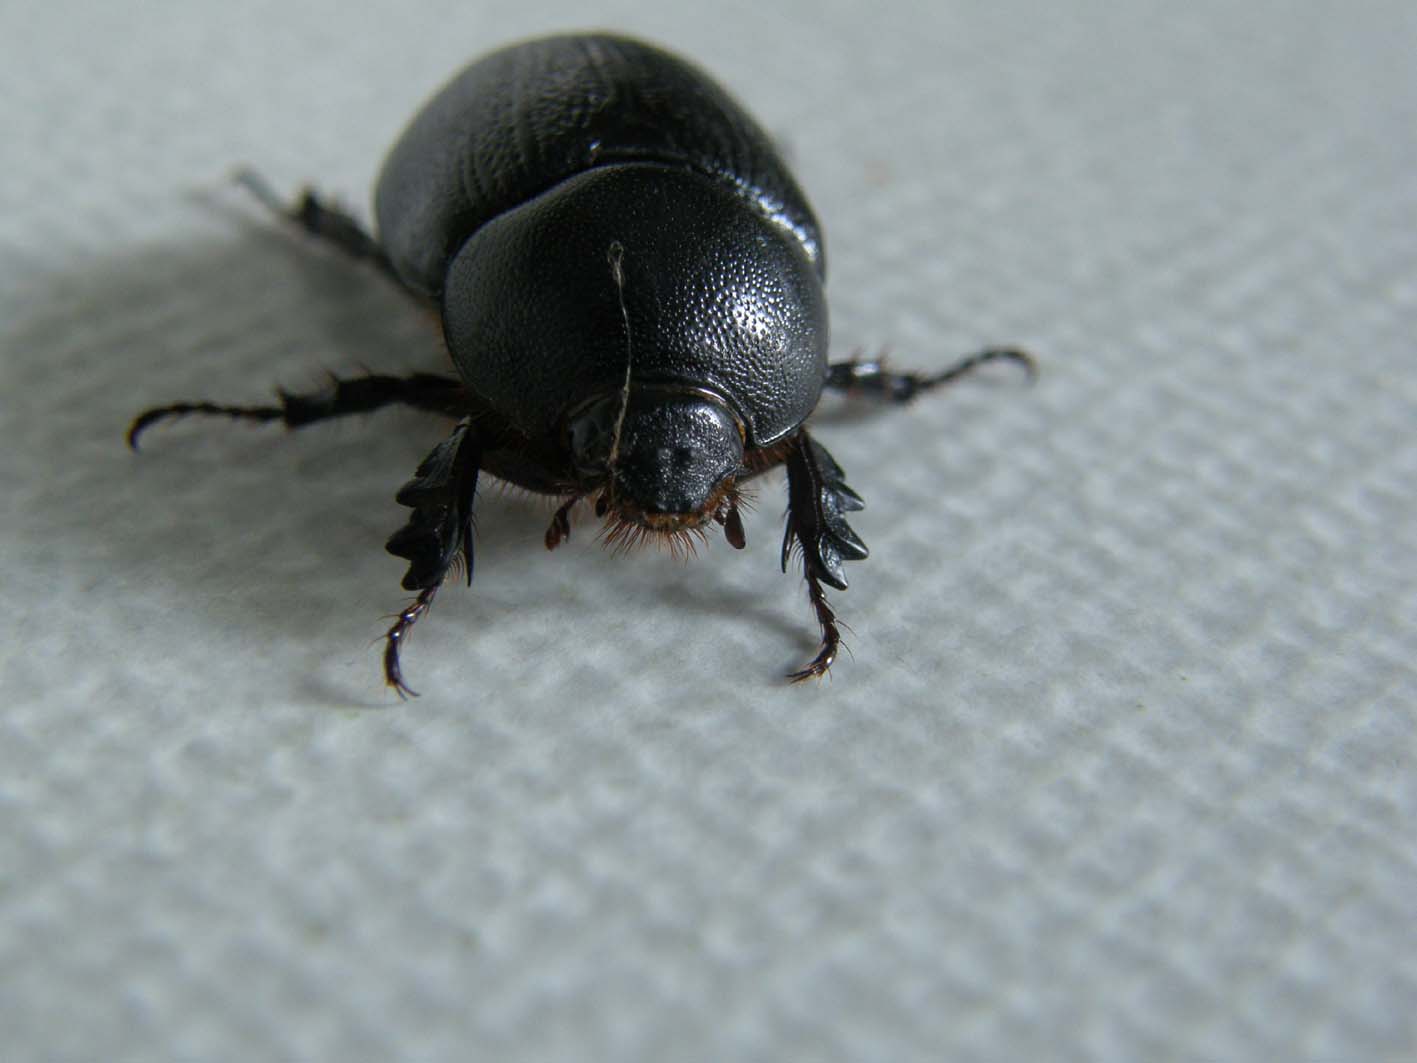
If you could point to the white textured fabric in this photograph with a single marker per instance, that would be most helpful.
(1120, 764)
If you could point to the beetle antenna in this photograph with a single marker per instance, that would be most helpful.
(615, 255)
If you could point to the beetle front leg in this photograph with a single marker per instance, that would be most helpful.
(831, 637)
(869, 376)
(393, 640)
(818, 500)
(437, 535)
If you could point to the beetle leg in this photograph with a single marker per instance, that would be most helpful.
(831, 637)
(437, 535)
(393, 639)
(818, 500)
(423, 391)
(869, 376)
(321, 219)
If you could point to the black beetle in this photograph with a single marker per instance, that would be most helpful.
(630, 285)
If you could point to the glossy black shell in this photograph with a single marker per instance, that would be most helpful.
(507, 193)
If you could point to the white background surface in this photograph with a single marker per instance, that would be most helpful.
(1120, 764)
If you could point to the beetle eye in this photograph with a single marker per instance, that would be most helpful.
(590, 434)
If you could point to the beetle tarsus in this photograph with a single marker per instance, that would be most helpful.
(831, 636)
(870, 377)
(342, 397)
(393, 640)
(261, 189)
(148, 418)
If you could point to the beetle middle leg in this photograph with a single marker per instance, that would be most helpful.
(870, 376)
(362, 394)
(438, 533)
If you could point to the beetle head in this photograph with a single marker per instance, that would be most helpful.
(666, 461)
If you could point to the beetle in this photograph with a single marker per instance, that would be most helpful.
(630, 286)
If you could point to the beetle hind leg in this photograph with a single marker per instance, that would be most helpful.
(871, 377)
(320, 218)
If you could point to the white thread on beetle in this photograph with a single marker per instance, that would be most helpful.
(615, 255)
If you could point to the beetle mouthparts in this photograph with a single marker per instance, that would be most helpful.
(680, 533)
(629, 526)
(669, 523)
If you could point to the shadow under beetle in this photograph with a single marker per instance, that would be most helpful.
(630, 285)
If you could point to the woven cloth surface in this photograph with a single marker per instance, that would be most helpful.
(1120, 763)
